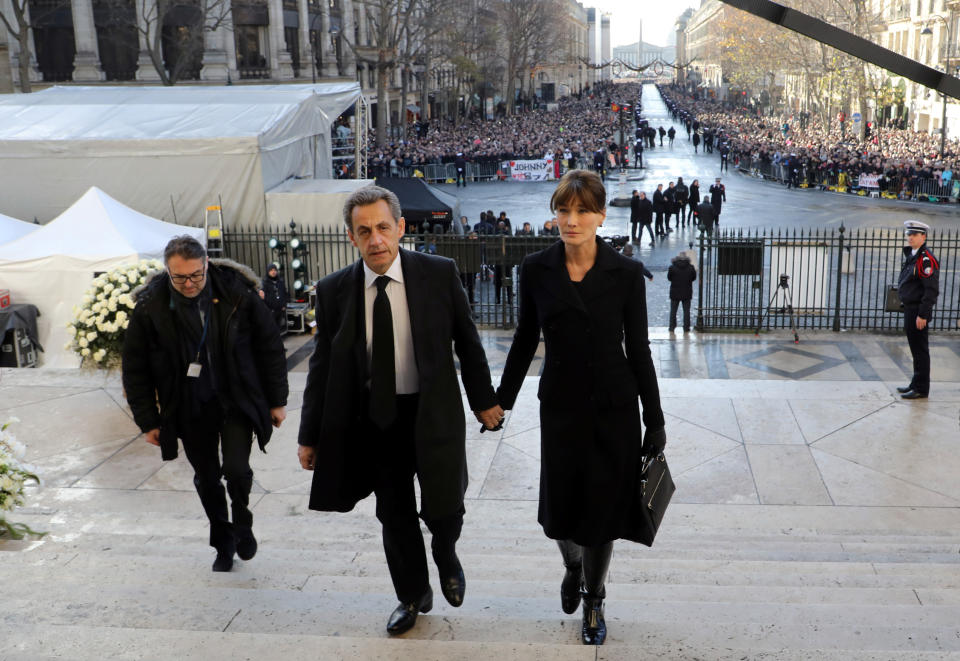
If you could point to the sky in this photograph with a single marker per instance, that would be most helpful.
(658, 19)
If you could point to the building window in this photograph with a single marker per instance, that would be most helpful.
(251, 61)
(292, 38)
(117, 38)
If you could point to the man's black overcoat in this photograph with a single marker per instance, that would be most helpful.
(334, 399)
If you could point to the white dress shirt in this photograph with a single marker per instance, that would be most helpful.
(404, 359)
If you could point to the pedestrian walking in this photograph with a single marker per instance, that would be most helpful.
(662, 132)
(646, 217)
(718, 195)
(694, 199)
(696, 142)
(669, 203)
(659, 205)
(203, 362)
(681, 275)
(705, 217)
(590, 304)
(671, 134)
(382, 404)
(918, 288)
(460, 163)
(682, 196)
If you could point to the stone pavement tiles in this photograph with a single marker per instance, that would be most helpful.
(812, 519)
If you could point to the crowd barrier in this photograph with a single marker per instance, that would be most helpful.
(926, 190)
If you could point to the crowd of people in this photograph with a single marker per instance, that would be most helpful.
(580, 126)
(807, 152)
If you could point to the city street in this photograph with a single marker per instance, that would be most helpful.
(751, 203)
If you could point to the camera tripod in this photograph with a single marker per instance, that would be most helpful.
(787, 307)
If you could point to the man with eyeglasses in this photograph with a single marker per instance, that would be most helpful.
(203, 362)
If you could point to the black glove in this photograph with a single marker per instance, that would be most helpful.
(654, 440)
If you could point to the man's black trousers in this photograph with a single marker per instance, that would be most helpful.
(919, 341)
(395, 465)
(204, 439)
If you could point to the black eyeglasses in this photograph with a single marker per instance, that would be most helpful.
(195, 278)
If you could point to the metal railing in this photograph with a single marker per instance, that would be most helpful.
(487, 264)
(837, 279)
(925, 190)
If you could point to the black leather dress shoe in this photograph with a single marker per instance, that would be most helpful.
(224, 561)
(246, 545)
(903, 389)
(913, 394)
(453, 584)
(404, 616)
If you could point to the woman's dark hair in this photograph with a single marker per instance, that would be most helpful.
(184, 246)
(581, 185)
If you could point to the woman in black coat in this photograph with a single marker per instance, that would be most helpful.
(588, 300)
(694, 198)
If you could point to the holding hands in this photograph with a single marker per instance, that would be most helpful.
(491, 419)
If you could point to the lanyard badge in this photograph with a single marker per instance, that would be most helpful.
(194, 368)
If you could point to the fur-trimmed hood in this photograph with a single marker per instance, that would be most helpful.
(244, 273)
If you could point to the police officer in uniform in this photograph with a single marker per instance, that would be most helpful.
(918, 287)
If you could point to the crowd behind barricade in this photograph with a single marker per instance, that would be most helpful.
(569, 136)
(896, 163)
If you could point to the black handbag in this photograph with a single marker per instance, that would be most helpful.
(654, 489)
(892, 304)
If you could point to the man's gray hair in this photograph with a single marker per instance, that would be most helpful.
(370, 195)
(184, 246)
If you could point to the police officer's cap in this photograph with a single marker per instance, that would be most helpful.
(916, 227)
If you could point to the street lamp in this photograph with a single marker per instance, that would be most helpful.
(926, 32)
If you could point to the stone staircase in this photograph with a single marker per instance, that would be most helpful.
(125, 575)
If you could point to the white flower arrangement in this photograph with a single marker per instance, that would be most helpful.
(14, 475)
(96, 332)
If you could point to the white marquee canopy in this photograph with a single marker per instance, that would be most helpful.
(166, 151)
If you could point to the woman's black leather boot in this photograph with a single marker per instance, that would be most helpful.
(573, 577)
(596, 561)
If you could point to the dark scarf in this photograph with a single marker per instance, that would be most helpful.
(200, 391)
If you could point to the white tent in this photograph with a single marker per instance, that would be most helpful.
(52, 266)
(11, 228)
(166, 151)
(312, 203)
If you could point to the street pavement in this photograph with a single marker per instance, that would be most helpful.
(751, 203)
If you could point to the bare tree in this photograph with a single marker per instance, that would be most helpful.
(531, 31)
(19, 25)
(187, 42)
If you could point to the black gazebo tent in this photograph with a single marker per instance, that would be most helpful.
(419, 202)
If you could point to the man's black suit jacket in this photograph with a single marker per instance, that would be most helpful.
(334, 398)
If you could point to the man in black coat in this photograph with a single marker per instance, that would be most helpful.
(918, 288)
(382, 403)
(203, 362)
(635, 215)
(682, 197)
(274, 293)
(645, 208)
(705, 217)
(681, 275)
(669, 203)
(659, 206)
(718, 195)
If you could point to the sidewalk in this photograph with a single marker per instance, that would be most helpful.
(816, 515)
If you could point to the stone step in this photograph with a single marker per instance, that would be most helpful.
(521, 515)
(106, 643)
(626, 569)
(293, 534)
(91, 570)
(532, 620)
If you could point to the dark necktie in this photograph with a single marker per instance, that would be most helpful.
(383, 375)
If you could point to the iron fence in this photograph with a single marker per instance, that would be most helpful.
(487, 264)
(835, 279)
